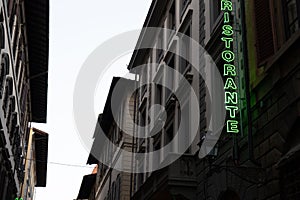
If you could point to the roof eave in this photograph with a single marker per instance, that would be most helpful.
(37, 31)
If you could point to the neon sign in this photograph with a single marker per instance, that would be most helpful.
(228, 56)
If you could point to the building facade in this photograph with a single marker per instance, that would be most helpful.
(259, 161)
(35, 164)
(178, 180)
(255, 47)
(88, 189)
(110, 183)
(24, 29)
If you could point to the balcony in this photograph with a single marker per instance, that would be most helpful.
(177, 180)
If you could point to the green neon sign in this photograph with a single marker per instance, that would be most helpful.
(230, 84)
(232, 126)
(228, 56)
(226, 5)
(231, 98)
(227, 29)
(226, 17)
(227, 41)
(232, 110)
(230, 71)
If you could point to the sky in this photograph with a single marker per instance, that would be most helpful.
(76, 29)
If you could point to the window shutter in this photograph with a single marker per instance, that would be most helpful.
(264, 34)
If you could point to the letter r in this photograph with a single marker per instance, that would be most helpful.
(226, 4)
(229, 70)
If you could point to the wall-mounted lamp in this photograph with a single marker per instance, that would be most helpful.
(207, 144)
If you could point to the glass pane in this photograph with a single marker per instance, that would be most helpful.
(292, 11)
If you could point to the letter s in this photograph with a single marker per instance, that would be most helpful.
(227, 30)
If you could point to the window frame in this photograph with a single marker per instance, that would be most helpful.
(287, 24)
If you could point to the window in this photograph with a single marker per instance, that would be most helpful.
(12, 10)
(20, 62)
(143, 118)
(113, 190)
(4, 70)
(143, 81)
(215, 11)
(2, 36)
(118, 187)
(170, 77)
(12, 116)
(264, 32)
(269, 18)
(172, 20)
(160, 46)
(140, 176)
(292, 13)
(157, 146)
(185, 47)
(169, 134)
(169, 137)
(21, 77)
(149, 66)
(24, 96)
(7, 93)
(21, 56)
(1, 16)
(172, 17)
(16, 38)
(184, 128)
(183, 6)
(158, 95)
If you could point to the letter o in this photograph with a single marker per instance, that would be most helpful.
(228, 56)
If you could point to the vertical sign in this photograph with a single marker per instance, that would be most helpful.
(230, 73)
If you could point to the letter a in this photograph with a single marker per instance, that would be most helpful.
(230, 84)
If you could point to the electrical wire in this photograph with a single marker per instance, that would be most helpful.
(70, 165)
(59, 163)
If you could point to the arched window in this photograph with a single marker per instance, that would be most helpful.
(4, 70)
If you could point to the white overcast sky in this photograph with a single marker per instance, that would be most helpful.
(76, 29)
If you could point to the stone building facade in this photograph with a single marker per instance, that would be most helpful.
(110, 183)
(36, 163)
(24, 41)
(177, 180)
(260, 162)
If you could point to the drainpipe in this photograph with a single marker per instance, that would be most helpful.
(247, 82)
